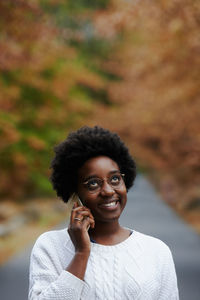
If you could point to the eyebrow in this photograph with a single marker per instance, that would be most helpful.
(95, 176)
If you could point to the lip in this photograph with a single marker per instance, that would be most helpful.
(110, 205)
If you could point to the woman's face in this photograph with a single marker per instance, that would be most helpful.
(101, 188)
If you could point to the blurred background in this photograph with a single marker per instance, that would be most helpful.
(130, 66)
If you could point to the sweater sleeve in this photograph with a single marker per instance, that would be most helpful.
(169, 287)
(46, 280)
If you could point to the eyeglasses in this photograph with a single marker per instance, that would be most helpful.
(94, 185)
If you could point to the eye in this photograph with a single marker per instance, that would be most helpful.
(93, 184)
(115, 179)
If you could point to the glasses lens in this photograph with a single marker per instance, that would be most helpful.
(115, 180)
(93, 184)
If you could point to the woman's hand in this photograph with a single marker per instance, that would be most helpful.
(81, 219)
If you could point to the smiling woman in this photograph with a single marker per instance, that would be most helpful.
(106, 198)
(97, 258)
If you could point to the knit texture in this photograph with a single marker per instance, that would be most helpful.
(141, 267)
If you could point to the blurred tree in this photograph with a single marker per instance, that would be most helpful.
(158, 59)
(46, 87)
(128, 65)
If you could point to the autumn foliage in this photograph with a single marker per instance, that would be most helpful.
(158, 59)
(131, 66)
(39, 93)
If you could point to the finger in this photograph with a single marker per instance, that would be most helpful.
(81, 210)
(91, 222)
(83, 214)
(84, 210)
(73, 212)
(79, 220)
(76, 211)
(86, 223)
(76, 208)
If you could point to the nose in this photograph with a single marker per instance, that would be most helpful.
(107, 189)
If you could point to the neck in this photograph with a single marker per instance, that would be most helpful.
(107, 233)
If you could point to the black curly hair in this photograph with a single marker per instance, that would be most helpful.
(81, 145)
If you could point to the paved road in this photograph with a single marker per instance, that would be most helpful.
(146, 213)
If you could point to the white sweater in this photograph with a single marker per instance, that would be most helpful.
(141, 267)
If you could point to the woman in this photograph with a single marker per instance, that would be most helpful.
(96, 258)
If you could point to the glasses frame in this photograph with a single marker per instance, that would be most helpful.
(102, 181)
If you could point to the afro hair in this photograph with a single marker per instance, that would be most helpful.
(81, 145)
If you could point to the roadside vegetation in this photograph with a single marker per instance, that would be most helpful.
(131, 66)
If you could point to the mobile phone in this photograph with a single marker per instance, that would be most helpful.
(73, 199)
(77, 199)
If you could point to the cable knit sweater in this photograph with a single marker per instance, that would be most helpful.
(141, 267)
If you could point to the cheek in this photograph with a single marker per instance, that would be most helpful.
(123, 194)
(123, 190)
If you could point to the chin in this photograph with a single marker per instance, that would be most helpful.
(108, 219)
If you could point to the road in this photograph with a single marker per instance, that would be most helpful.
(145, 212)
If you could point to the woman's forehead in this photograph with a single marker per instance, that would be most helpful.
(99, 166)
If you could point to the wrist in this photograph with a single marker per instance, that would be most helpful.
(82, 254)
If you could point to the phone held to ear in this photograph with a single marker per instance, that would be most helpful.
(73, 199)
(77, 199)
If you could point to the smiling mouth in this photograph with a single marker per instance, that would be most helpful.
(111, 204)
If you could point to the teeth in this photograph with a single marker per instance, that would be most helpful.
(110, 204)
